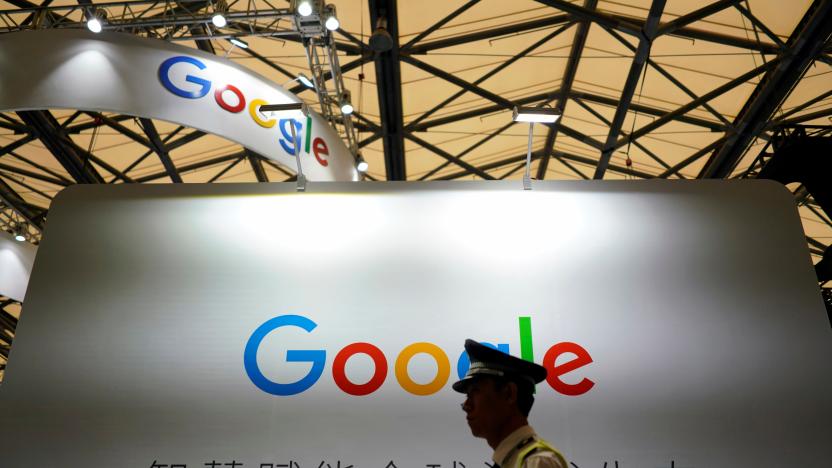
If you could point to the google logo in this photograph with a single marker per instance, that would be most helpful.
(201, 87)
(317, 357)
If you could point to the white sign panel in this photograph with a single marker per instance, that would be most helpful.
(16, 260)
(115, 72)
(252, 326)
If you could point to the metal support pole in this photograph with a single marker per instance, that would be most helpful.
(527, 178)
(301, 178)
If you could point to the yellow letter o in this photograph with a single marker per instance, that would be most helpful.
(442, 373)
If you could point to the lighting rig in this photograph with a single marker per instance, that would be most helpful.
(310, 21)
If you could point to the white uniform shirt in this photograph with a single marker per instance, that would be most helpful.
(507, 451)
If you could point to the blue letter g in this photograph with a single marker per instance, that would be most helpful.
(316, 357)
(164, 77)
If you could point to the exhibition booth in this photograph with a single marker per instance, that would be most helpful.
(259, 325)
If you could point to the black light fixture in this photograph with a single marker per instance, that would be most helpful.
(345, 104)
(381, 40)
(20, 232)
(283, 107)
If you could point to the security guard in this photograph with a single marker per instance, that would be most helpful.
(499, 391)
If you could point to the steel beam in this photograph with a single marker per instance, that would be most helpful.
(805, 43)
(58, 142)
(691, 159)
(584, 14)
(558, 154)
(459, 162)
(273, 65)
(476, 145)
(33, 175)
(256, 166)
(678, 113)
(670, 78)
(160, 150)
(490, 33)
(204, 45)
(13, 199)
(193, 167)
(717, 38)
(225, 170)
(801, 107)
(807, 117)
(490, 73)
(440, 23)
(633, 76)
(389, 86)
(565, 88)
(586, 96)
(58, 177)
(638, 145)
(451, 78)
(684, 20)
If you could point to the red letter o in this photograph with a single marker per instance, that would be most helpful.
(241, 104)
(340, 362)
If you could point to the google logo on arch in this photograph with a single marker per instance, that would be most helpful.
(199, 87)
(317, 357)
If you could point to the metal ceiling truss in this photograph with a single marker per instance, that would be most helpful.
(8, 325)
(784, 63)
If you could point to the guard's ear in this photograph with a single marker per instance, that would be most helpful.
(511, 392)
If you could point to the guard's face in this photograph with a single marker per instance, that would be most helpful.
(486, 408)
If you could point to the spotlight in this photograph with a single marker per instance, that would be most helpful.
(219, 20)
(95, 20)
(305, 80)
(238, 42)
(20, 233)
(330, 20)
(346, 106)
(361, 165)
(305, 7)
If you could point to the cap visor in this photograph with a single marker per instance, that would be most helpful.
(461, 386)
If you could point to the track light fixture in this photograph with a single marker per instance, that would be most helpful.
(361, 165)
(345, 104)
(95, 19)
(238, 42)
(20, 232)
(306, 81)
(304, 7)
(535, 114)
(218, 19)
(330, 19)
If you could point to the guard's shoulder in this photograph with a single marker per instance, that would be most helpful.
(537, 453)
(543, 459)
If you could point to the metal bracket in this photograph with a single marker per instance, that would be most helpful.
(527, 178)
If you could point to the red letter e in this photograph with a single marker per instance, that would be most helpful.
(582, 358)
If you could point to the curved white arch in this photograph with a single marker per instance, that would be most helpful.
(127, 74)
